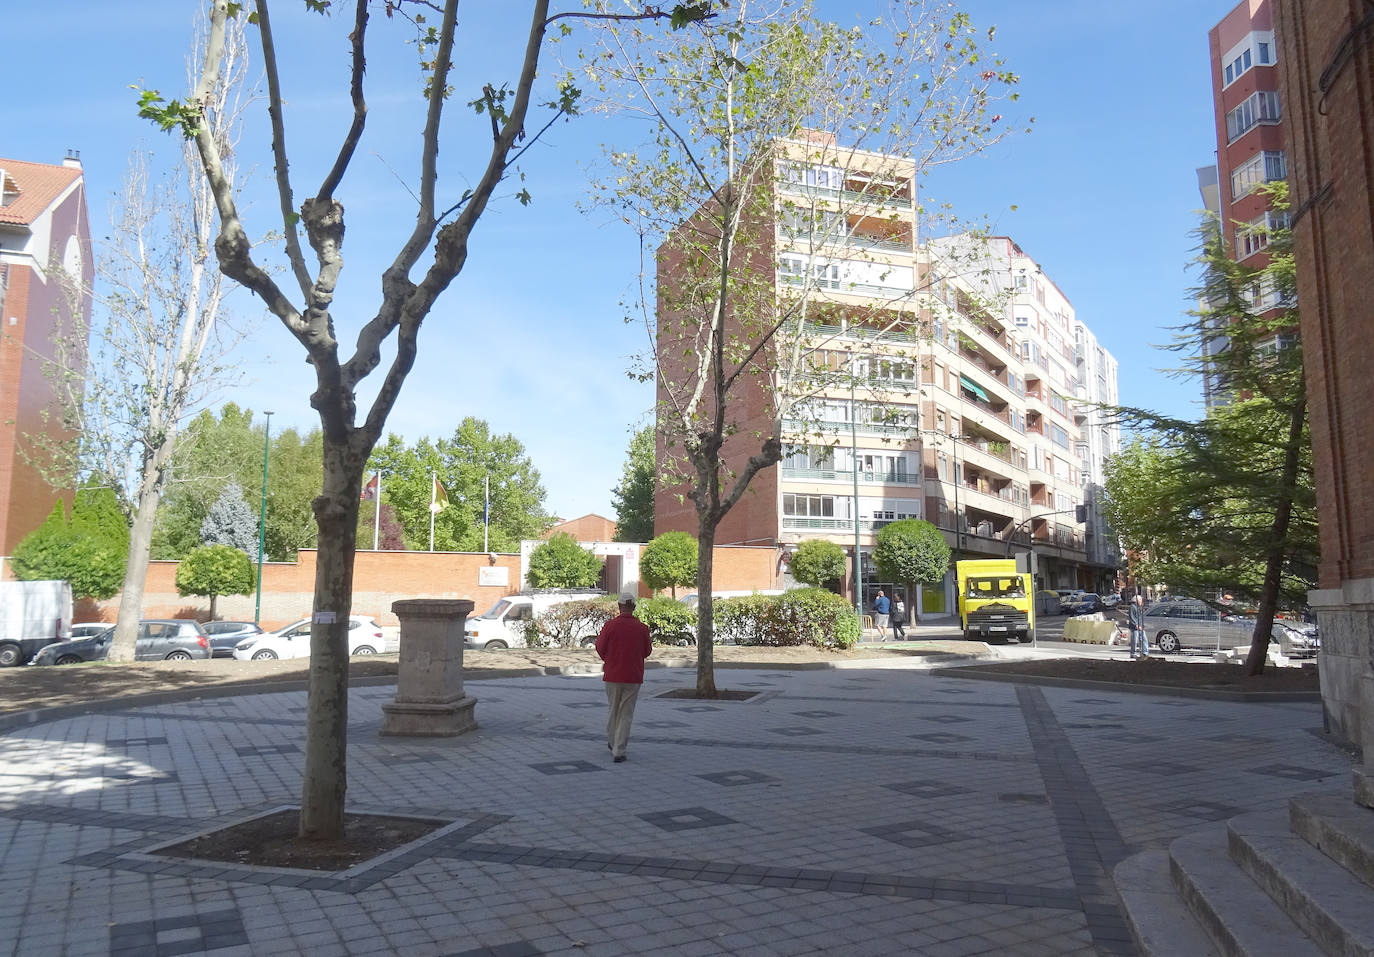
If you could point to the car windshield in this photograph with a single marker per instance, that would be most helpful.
(496, 610)
(995, 588)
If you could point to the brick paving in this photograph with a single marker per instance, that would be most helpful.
(854, 811)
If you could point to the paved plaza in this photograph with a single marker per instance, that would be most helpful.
(863, 810)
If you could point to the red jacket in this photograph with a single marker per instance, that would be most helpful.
(623, 645)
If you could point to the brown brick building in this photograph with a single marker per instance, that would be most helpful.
(1326, 67)
(44, 237)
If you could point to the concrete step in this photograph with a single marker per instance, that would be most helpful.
(1160, 924)
(1329, 903)
(1237, 915)
(1339, 828)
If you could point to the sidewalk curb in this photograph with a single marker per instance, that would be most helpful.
(1163, 691)
(34, 716)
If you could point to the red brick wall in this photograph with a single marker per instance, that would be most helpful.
(288, 588)
(1331, 171)
(588, 528)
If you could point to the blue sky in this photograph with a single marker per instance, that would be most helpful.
(530, 335)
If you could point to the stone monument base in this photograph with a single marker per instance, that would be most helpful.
(1345, 620)
(429, 719)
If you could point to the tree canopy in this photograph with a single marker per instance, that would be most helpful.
(463, 462)
(668, 561)
(818, 562)
(634, 496)
(562, 563)
(89, 551)
(911, 550)
(1227, 502)
(215, 570)
(231, 522)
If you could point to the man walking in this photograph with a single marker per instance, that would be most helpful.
(881, 606)
(623, 645)
(1135, 616)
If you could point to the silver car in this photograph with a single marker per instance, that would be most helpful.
(1177, 623)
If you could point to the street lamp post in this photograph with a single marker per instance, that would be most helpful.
(262, 515)
(854, 462)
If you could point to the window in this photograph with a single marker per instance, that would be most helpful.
(1259, 107)
(808, 506)
(803, 174)
(1260, 168)
(810, 459)
(1059, 435)
(1058, 403)
(1257, 49)
(1264, 54)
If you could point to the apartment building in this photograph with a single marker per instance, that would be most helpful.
(924, 393)
(1251, 150)
(45, 277)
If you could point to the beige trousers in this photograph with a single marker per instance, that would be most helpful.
(621, 697)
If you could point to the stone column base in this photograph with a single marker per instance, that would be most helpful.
(427, 719)
(1345, 617)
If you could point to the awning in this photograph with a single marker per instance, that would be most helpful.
(973, 387)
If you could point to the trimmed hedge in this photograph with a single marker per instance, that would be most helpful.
(670, 622)
(802, 616)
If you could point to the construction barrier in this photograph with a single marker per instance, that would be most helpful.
(1089, 631)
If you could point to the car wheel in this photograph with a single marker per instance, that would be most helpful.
(364, 650)
(1167, 642)
(264, 655)
(68, 660)
(10, 655)
(178, 656)
(497, 645)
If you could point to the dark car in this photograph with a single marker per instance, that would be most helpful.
(224, 635)
(170, 639)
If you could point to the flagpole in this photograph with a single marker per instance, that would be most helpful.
(486, 510)
(377, 514)
(433, 500)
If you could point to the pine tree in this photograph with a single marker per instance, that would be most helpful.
(231, 522)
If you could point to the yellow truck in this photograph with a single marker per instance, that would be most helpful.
(995, 600)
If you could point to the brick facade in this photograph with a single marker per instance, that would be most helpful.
(1327, 83)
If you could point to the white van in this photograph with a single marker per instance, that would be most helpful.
(32, 615)
(503, 624)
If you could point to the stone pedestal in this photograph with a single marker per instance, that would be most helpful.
(430, 701)
(1345, 619)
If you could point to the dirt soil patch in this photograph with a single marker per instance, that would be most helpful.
(722, 694)
(271, 841)
(1158, 672)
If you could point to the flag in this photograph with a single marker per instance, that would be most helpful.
(370, 489)
(438, 498)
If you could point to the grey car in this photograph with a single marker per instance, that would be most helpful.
(1177, 623)
(169, 639)
(224, 635)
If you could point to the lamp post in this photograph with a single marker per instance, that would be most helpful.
(262, 515)
(854, 462)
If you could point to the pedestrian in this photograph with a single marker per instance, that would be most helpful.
(1140, 638)
(881, 606)
(898, 618)
(623, 645)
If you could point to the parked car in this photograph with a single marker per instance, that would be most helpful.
(167, 639)
(1081, 603)
(293, 641)
(224, 635)
(87, 629)
(1111, 600)
(1177, 623)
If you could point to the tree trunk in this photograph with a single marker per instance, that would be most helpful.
(706, 622)
(213, 599)
(123, 646)
(1278, 543)
(326, 729)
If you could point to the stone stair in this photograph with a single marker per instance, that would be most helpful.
(1283, 883)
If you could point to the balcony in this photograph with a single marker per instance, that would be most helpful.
(985, 418)
(848, 288)
(866, 197)
(847, 476)
(862, 428)
(986, 340)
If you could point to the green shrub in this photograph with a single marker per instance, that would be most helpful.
(818, 562)
(562, 563)
(802, 616)
(743, 620)
(670, 622)
(570, 624)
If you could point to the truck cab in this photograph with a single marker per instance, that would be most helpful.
(995, 600)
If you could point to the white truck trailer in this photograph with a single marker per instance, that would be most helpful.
(32, 614)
